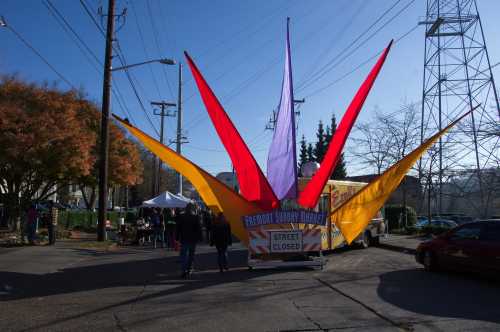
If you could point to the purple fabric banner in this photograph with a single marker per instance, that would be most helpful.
(282, 157)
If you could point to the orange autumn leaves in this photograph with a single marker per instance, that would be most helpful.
(47, 135)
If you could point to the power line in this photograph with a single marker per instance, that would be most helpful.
(144, 48)
(61, 20)
(157, 43)
(358, 66)
(333, 64)
(300, 84)
(31, 47)
(253, 78)
(121, 58)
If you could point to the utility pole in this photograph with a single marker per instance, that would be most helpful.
(104, 139)
(179, 137)
(157, 171)
(271, 124)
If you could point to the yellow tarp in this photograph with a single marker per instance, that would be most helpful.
(216, 195)
(353, 216)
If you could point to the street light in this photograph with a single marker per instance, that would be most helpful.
(162, 61)
(104, 137)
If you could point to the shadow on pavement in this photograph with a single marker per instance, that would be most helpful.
(441, 294)
(129, 273)
(150, 272)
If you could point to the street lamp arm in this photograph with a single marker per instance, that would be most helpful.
(162, 61)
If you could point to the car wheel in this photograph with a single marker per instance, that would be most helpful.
(365, 242)
(429, 261)
(375, 241)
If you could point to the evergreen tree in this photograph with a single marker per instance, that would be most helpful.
(303, 152)
(340, 171)
(310, 152)
(328, 136)
(321, 144)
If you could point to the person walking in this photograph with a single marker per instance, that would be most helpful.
(221, 238)
(158, 227)
(31, 218)
(52, 226)
(188, 234)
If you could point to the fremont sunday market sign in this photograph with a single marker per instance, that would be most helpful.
(285, 217)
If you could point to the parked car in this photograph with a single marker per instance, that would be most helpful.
(473, 247)
(436, 223)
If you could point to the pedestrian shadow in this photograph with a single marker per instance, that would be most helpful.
(442, 294)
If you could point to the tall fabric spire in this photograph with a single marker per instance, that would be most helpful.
(282, 157)
(253, 184)
(308, 198)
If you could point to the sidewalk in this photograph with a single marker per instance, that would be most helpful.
(403, 243)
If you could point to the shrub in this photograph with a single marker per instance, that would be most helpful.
(85, 220)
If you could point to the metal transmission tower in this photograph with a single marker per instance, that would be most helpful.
(460, 174)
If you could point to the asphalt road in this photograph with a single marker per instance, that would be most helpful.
(138, 289)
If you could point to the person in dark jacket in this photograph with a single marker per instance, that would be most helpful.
(221, 238)
(188, 234)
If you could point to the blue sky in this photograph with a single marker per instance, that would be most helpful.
(239, 47)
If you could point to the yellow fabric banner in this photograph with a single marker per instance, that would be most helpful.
(216, 195)
(353, 216)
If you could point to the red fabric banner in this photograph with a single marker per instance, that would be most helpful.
(308, 198)
(253, 184)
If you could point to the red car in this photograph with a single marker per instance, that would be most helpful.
(472, 247)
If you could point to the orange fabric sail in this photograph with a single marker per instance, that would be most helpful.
(353, 216)
(308, 198)
(216, 195)
(253, 184)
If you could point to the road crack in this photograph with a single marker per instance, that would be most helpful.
(309, 318)
(403, 326)
(118, 323)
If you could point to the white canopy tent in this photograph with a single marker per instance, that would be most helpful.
(167, 200)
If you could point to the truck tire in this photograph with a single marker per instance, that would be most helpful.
(375, 241)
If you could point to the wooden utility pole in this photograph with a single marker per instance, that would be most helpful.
(157, 171)
(104, 139)
(179, 137)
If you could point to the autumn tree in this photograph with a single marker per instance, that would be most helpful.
(125, 165)
(42, 142)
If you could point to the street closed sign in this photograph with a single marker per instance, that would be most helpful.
(286, 241)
